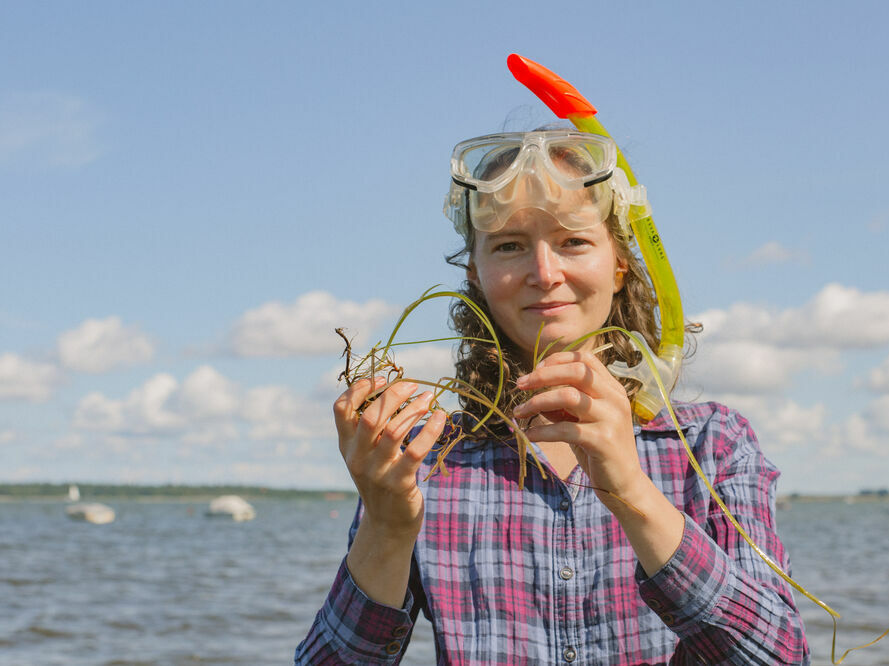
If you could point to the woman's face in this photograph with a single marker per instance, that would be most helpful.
(534, 270)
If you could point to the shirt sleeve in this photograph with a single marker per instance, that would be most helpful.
(726, 605)
(352, 629)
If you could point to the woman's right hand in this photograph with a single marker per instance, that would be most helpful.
(371, 444)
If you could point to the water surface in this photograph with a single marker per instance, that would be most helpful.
(163, 584)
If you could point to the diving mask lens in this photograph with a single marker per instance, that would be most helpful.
(558, 171)
(485, 163)
(579, 163)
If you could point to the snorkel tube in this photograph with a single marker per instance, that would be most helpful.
(564, 100)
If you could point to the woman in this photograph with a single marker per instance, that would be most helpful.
(617, 555)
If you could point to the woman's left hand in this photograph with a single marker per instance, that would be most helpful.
(585, 406)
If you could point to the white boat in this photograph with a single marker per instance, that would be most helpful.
(231, 506)
(91, 512)
(73, 493)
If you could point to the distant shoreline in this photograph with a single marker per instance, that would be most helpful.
(797, 498)
(91, 491)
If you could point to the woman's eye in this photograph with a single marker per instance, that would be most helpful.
(507, 247)
(576, 242)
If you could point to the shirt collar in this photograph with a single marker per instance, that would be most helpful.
(467, 421)
(662, 423)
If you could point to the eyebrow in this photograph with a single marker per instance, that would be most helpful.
(497, 235)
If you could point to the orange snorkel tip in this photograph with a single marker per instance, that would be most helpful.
(560, 96)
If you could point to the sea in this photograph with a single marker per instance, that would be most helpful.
(165, 584)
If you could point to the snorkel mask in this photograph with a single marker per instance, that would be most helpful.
(485, 196)
(560, 172)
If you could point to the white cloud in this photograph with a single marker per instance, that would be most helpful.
(275, 412)
(773, 253)
(741, 321)
(867, 431)
(329, 384)
(749, 367)
(841, 316)
(305, 326)
(781, 423)
(877, 413)
(26, 380)
(837, 316)
(47, 129)
(748, 355)
(99, 345)
(813, 431)
(430, 362)
(147, 410)
(150, 406)
(211, 433)
(206, 394)
(749, 348)
(96, 412)
(878, 378)
(206, 408)
(790, 423)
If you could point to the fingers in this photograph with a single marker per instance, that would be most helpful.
(380, 429)
(576, 373)
(347, 404)
(397, 428)
(420, 445)
(561, 399)
(582, 370)
(562, 431)
(377, 415)
(577, 387)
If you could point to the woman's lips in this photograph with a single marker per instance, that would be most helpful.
(546, 309)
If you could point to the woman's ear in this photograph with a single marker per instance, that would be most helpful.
(619, 274)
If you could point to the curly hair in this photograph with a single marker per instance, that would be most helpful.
(632, 308)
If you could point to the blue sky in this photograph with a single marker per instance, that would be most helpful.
(192, 195)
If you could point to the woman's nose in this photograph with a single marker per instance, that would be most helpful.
(546, 269)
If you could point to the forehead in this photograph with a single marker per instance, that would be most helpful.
(532, 221)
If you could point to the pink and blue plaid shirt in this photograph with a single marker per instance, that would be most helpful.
(545, 575)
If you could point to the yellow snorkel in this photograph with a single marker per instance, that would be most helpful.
(564, 100)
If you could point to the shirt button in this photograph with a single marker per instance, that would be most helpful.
(654, 604)
(566, 573)
(569, 654)
(393, 648)
(565, 504)
(399, 632)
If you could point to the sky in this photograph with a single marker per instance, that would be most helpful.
(194, 195)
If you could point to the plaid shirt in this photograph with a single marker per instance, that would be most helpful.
(546, 575)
